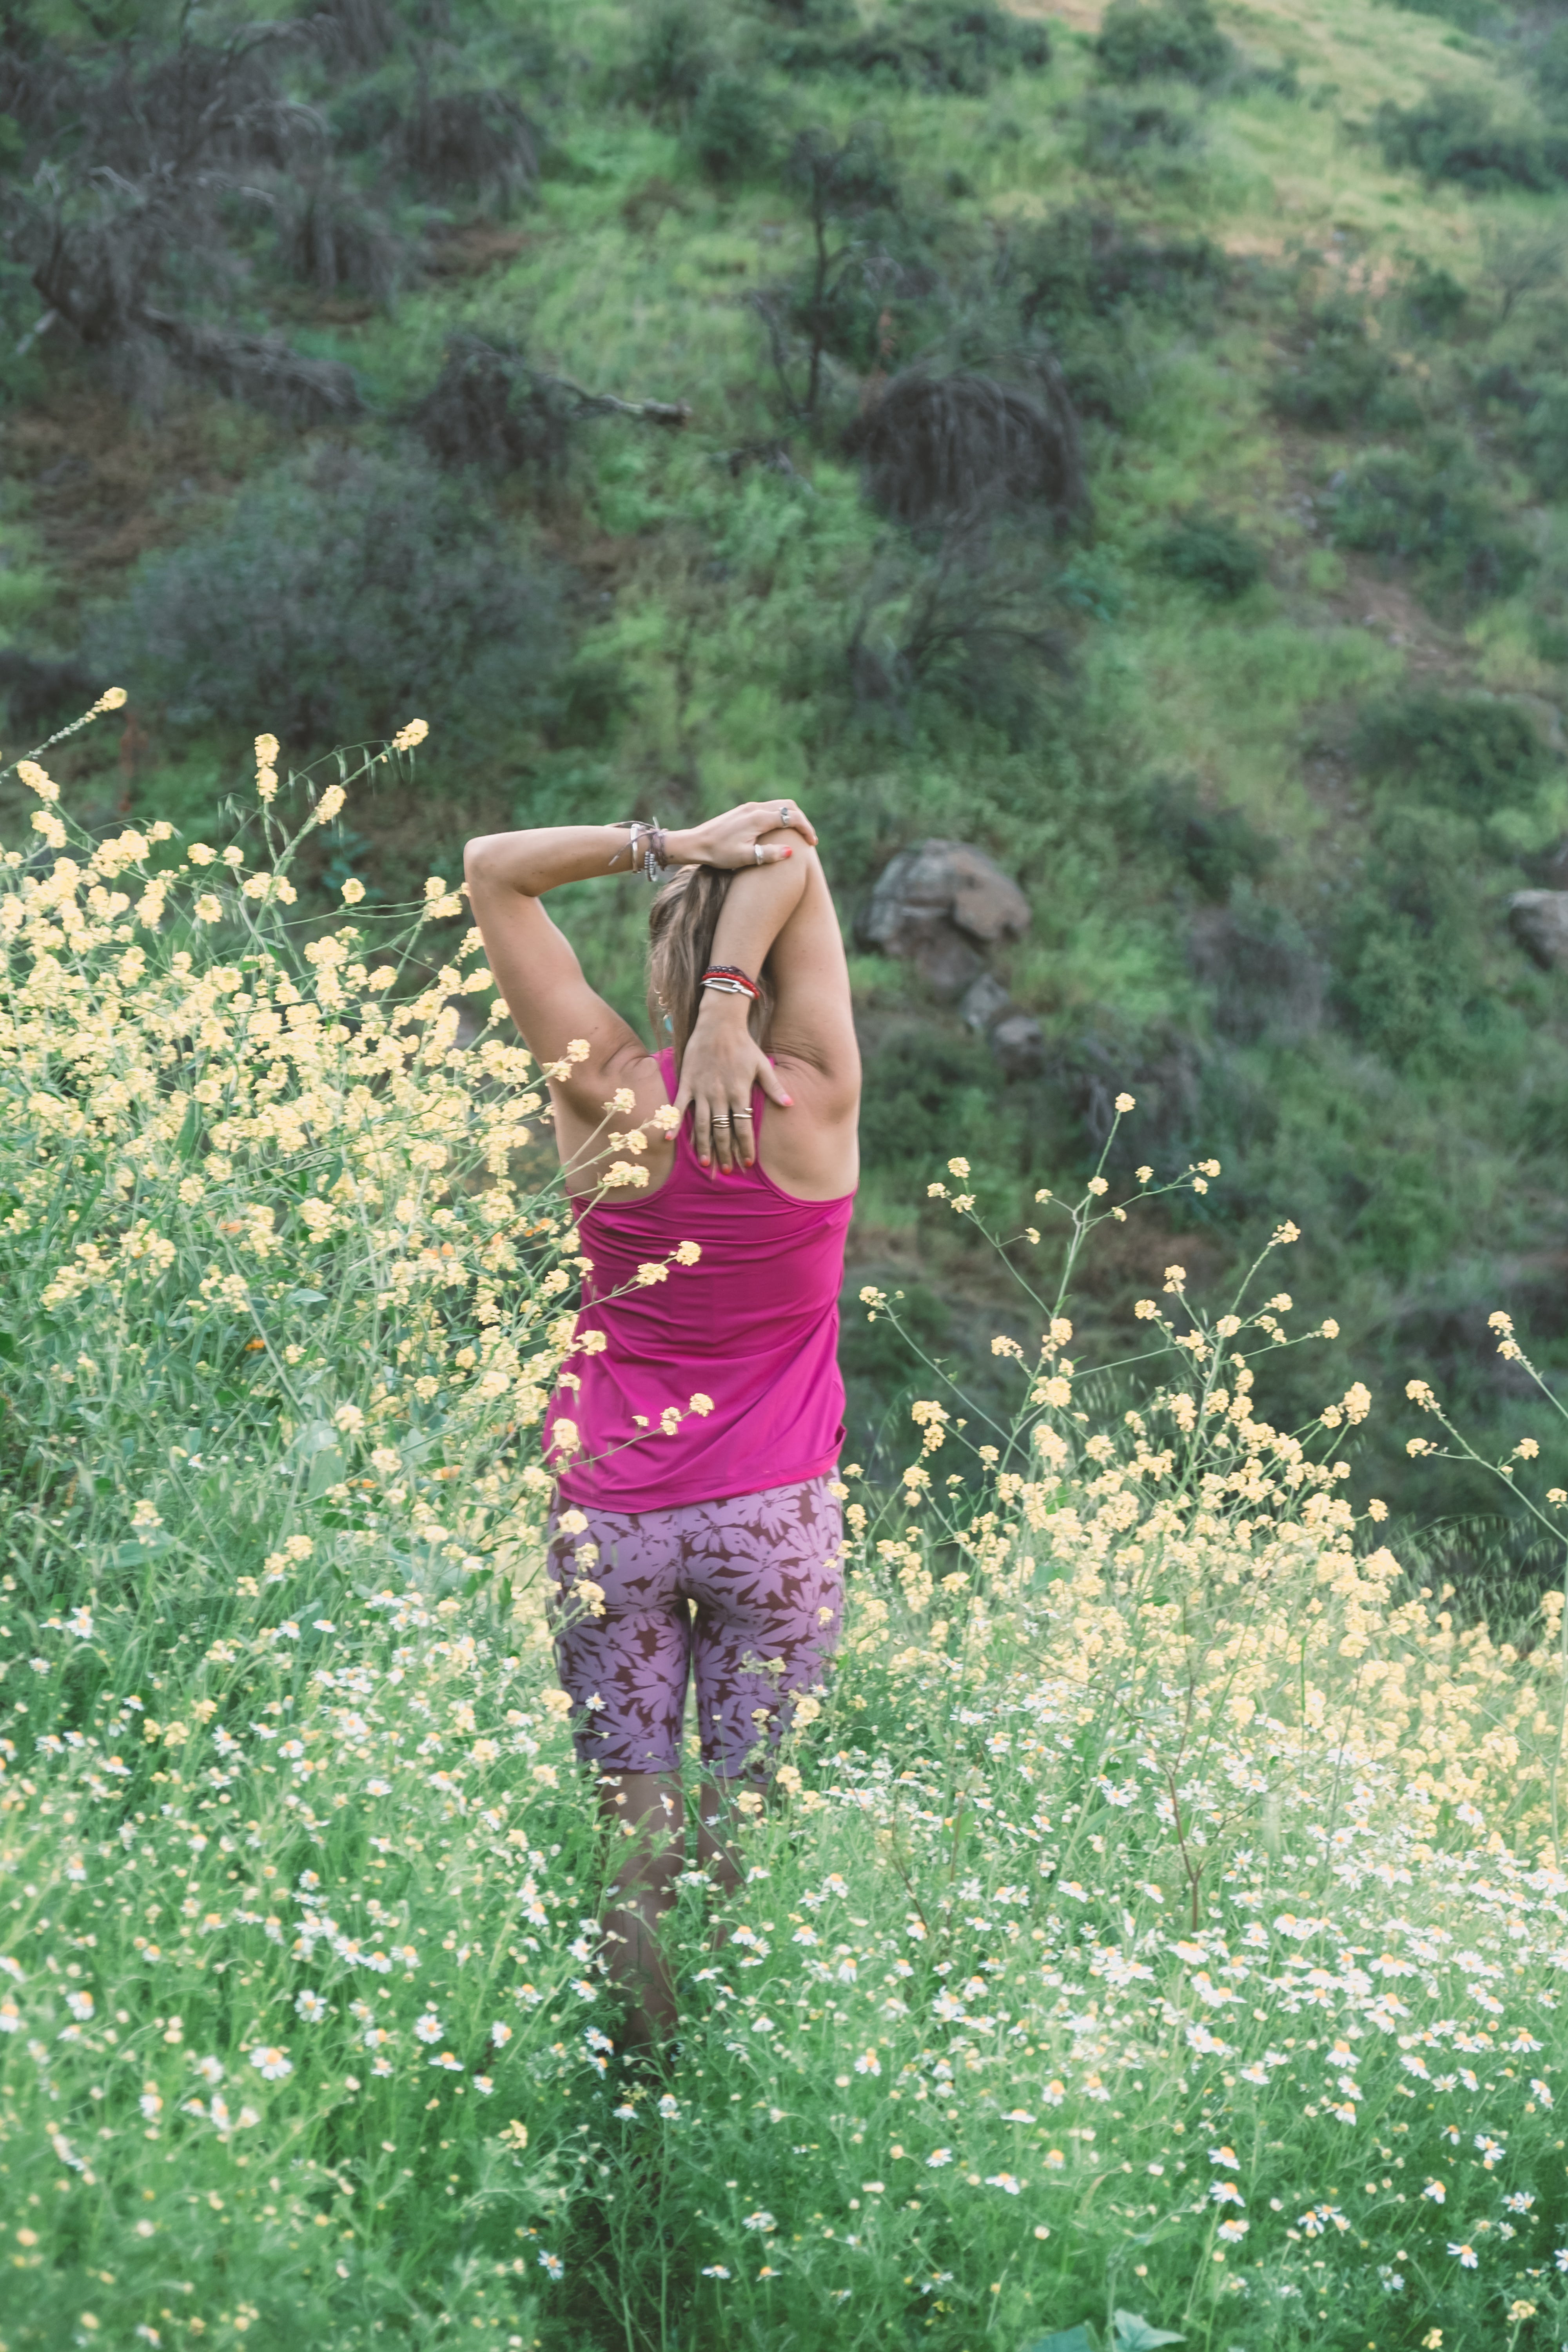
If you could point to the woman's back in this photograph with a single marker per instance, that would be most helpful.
(751, 1327)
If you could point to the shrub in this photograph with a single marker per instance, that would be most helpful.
(916, 1083)
(732, 129)
(1217, 847)
(1264, 976)
(1124, 131)
(962, 623)
(1466, 752)
(1431, 507)
(330, 240)
(1344, 376)
(338, 593)
(1543, 436)
(471, 142)
(1209, 551)
(1082, 263)
(1433, 301)
(936, 44)
(1138, 42)
(934, 446)
(489, 408)
(1410, 977)
(1452, 135)
(673, 56)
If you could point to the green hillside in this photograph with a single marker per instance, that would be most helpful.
(616, 387)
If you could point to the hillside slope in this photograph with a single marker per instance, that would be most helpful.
(1248, 666)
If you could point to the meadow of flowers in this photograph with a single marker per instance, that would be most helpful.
(1161, 1931)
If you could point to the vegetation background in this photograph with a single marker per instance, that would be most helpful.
(1131, 441)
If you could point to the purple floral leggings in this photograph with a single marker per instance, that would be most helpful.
(749, 1592)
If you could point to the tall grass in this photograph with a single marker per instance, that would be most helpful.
(1161, 1916)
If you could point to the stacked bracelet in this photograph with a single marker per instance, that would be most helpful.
(646, 845)
(728, 980)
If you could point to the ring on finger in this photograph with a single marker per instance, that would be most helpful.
(719, 1119)
(743, 1114)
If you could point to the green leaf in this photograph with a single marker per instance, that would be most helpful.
(1132, 2333)
(304, 1297)
(1065, 2339)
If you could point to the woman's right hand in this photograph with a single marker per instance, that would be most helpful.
(732, 841)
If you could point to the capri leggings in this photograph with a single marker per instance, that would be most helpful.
(747, 1593)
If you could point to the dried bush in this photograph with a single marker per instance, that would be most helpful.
(1176, 37)
(1431, 507)
(352, 32)
(264, 372)
(338, 593)
(853, 199)
(732, 129)
(1453, 134)
(328, 237)
(489, 408)
(960, 625)
(1466, 752)
(471, 142)
(936, 446)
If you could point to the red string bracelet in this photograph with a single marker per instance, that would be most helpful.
(728, 980)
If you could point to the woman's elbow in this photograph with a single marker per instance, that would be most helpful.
(479, 857)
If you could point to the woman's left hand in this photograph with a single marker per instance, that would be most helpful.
(721, 1065)
(738, 837)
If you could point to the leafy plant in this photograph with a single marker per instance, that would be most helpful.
(936, 44)
(1433, 508)
(1453, 134)
(339, 589)
(850, 190)
(1142, 39)
(935, 447)
(1473, 753)
(731, 129)
(1345, 375)
(1211, 552)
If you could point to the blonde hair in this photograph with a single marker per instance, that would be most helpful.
(681, 925)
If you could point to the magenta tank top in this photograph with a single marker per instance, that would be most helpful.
(753, 1325)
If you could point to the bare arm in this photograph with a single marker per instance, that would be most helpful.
(785, 911)
(536, 966)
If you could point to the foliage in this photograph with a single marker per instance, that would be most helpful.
(1345, 377)
(852, 198)
(1139, 131)
(1431, 507)
(1141, 39)
(731, 129)
(938, 447)
(1212, 553)
(338, 590)
(673, 55)
(330, 240)
(1472, 753)
(489, 408)
(1452, 134)
(959, 624)
(1137, 1739)
(474, 142)
(1217, 847)
(936, 45)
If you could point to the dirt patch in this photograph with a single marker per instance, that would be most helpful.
(474, 249)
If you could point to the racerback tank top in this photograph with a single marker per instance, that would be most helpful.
(752, 1327)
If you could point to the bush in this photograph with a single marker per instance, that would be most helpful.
(1345, 377)
(1142, 134)
(1178, 37)
(340, 596)
(1452, 135)
(732, 129)
(1264, 976)
(329, 238)
(1410, 976)
(1216, 848)
(1209, 551)
(1086, 264)
(489, 408)
(1432, 509)
(673, 56)
(935, 446)
(471, 142)
(1433, 301)
(1464, 751)
(936, 45)
(960, 624)
(918, 1084)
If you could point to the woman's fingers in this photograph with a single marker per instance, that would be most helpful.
(771, 1084)
(745, 1131)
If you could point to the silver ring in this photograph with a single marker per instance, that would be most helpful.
(756, 853)
(741, 1114)
(785, 814)
(716, 1121)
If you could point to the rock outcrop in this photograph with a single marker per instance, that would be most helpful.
(1539, 921)
(937, 907)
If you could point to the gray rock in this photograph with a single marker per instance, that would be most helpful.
(1019, 1045)
(932, 901)
(1539, 921)
(985, 1003)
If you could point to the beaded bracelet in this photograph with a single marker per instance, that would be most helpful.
(728, 980)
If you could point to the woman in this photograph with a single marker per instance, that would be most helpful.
(715, 1543)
